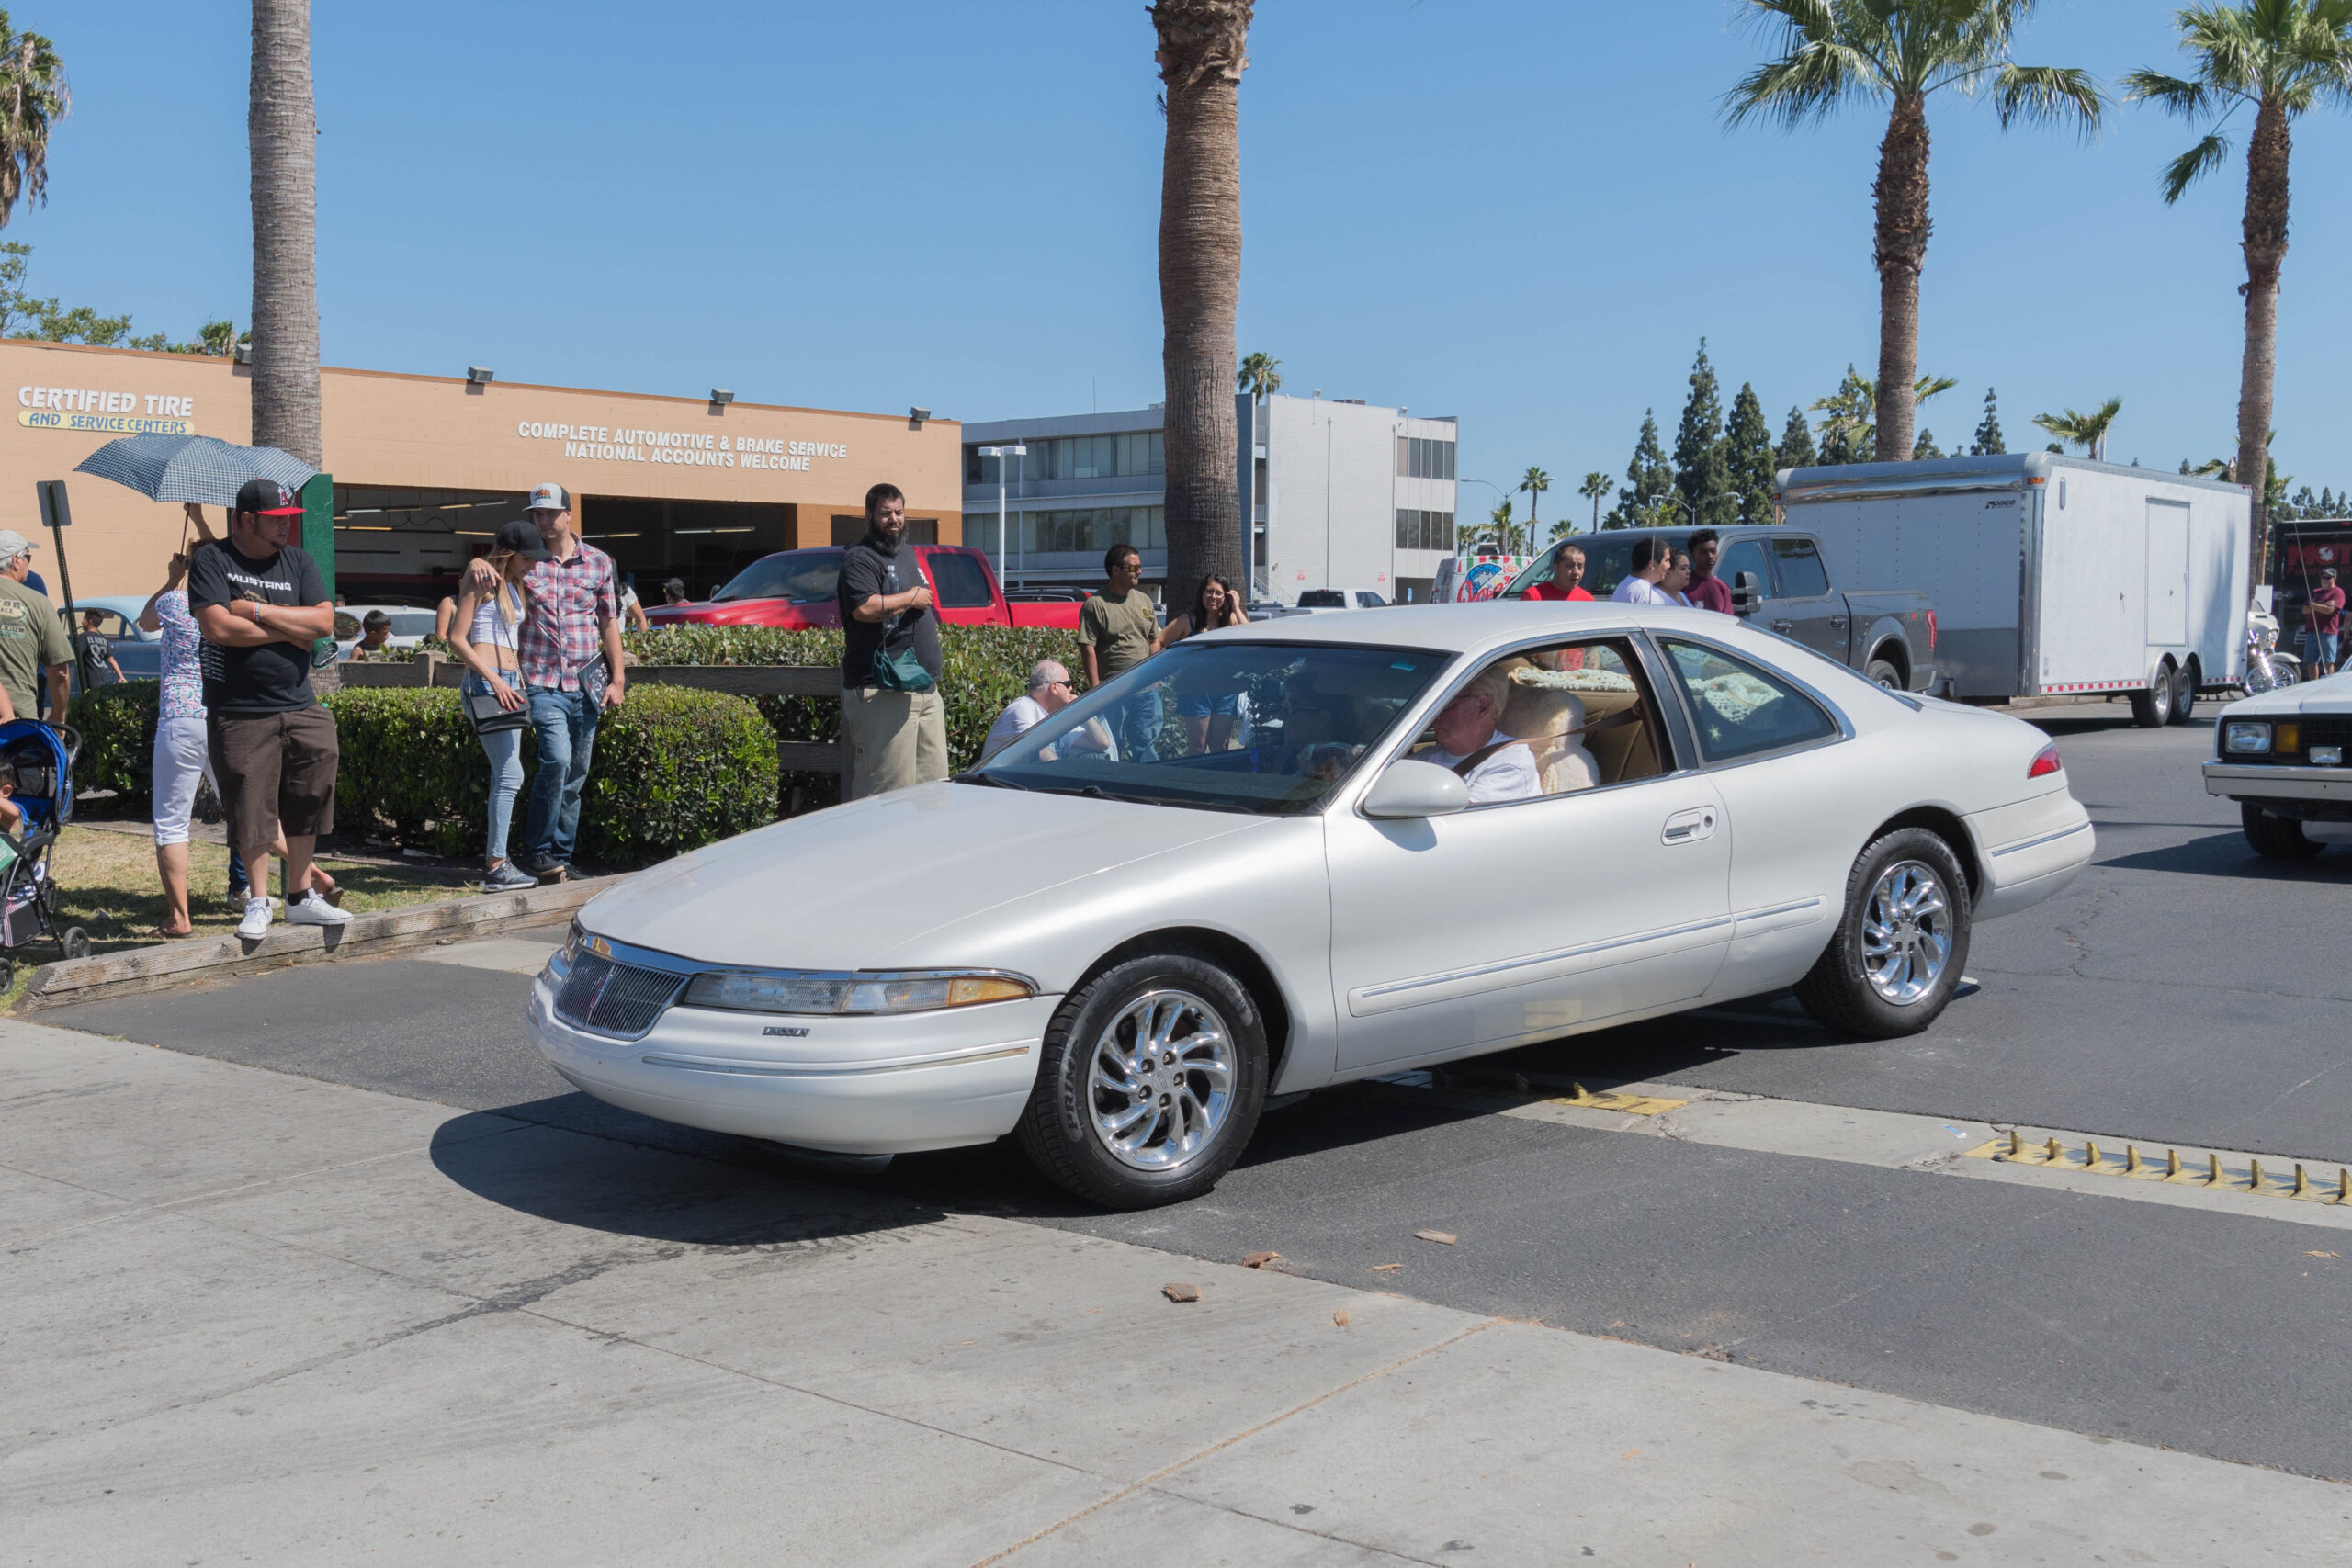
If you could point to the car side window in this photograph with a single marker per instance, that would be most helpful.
(1745, 555)
(960, 582)
(1582, 711)
(1742, 710)
(1802, 574)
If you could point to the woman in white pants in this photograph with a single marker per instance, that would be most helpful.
(180, 757)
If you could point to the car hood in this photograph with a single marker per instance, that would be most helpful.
(2333, 694)
(845, 888)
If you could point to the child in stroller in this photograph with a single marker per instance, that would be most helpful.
(36, 802)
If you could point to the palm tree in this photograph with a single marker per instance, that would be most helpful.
(2281, 57)
(283, 130)
(1535, 481)
(1901, 51)
(2088, 430)
(1203, 50)
(1509, 536)
(1594, 486)
(1260, 376)
(1850, 431)
(33, 97)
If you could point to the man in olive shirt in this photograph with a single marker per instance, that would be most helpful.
(30, 637)
(1114, 632)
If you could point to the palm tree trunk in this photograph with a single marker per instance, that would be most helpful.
(1203, 51)
(2265, 253)
(1901, 192)
(283, 130)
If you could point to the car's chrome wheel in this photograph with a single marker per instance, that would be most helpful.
(1906, 932)
(1163, 1080)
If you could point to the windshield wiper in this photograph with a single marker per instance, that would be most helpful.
(994, 781)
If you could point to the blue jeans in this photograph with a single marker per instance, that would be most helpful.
(565, 723)
(1139, 723)
(505, 748)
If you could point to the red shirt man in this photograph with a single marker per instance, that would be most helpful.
(2324, 612)
(1707, 590)
(1567, 571)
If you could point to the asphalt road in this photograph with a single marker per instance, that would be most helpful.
(2182, 991)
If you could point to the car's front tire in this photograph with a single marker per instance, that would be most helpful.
(2276, 838)
(1151, 1081)
(1901, 942)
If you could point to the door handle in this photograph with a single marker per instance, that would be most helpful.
(1688, 826)
(1784, 626)
(1839, 622)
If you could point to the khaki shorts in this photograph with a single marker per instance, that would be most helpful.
(896, 740)
(276, 773)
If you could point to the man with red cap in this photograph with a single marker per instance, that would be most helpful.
(260, 603)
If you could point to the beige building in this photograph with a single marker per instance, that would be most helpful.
(425, 467)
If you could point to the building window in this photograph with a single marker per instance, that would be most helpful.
(1136, 455)
(1418, 530)
(1087, 529)
(1419, 458)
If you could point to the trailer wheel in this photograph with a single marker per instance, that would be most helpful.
(2152, 709)
(2184, 693)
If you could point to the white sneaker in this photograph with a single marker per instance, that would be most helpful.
(310, 909)
(255, 925)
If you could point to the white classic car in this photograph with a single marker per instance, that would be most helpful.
(2281, 757)
(1319, 849)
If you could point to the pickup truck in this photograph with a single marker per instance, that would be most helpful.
(1778, 582)
(794, 589)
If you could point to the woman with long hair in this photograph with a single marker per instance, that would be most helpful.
(1209, 716)
(486, 632)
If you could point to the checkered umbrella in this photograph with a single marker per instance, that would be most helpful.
(202, 468)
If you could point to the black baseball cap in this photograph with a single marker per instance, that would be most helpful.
(267, 496)
(521, 536)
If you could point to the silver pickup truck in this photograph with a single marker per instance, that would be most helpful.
(1779, 582)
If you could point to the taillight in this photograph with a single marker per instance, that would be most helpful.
(1931, 631)
(2045, 761)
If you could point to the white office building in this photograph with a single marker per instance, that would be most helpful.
(1337, 493)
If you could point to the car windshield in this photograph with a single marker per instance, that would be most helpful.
(411, 623)
(1265, 727)
(801, 576)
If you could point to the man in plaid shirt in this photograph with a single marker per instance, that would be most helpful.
(574, 616)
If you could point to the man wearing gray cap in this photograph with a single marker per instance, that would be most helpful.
(30, 637)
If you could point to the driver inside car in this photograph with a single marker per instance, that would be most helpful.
(1495, 766)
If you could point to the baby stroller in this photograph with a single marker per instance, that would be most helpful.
(38, 763)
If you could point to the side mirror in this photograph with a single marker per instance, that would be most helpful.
(1414, 788)
(1746, 593)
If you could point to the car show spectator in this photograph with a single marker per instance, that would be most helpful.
(374, 632)
(444, 614)
(1647, 565)
(33, 645)
(1116, 630)
(674, 592)
(570, 651)
(1676, 578)
(260, 603)
(1707, 590)
(1567, 580)
(892, 718)
(97, 662)
(1050, 691)
(632, 609)
(1494, 765)
(1209, 716)
(487, 635)
(2323, 623)
(180, 759)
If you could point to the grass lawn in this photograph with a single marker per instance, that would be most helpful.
(107, 885)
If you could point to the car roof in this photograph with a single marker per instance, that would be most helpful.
(1466, 629)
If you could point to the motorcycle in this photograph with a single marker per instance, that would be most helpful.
(2267, 669)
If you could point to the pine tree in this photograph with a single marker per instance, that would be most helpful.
(1701, 471)
(1848, 435)
(1988, 431)
(2327, 502)
(1795, 450)
(1749, 459)
(1924, 447)
(1649, 475)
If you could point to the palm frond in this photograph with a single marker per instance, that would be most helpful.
(2193, 165)
(2049, 94)
(2172, 94)
(1927, 386)
(1807, 83)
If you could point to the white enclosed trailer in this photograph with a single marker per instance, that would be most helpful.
(2051, 576)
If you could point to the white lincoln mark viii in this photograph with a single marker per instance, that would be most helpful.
(1286, 856)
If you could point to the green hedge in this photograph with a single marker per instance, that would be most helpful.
(118, 725)
(674, 769)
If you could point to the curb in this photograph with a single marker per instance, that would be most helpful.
(168, 964)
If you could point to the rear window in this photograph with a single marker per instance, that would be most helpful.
(1742, 710)
(802, 576)
(961, 582)
(411, 623)
(1323, 599)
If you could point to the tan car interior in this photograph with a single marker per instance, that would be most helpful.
(1586, 715)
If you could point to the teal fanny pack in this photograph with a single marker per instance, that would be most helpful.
(899, 672)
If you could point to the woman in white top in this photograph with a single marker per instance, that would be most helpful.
(486, 633)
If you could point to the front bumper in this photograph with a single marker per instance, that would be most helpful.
(864, 1086)
(2269, 781)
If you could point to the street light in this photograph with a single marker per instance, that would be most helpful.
(1000, 454)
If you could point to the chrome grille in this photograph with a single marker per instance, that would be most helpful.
(617, 1000)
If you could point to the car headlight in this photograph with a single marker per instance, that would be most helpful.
(2241, 736)
(853, 995)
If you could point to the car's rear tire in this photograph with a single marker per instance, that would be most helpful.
(2279, 837)
(2184, 693)
(1901, 941)
(1133, 1129)
(2152, 709)
(1882, 673)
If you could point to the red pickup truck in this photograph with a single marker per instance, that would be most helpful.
(794, 589)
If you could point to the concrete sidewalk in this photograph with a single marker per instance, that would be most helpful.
(255, 1316)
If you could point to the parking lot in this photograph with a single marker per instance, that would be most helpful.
(1812, 1210)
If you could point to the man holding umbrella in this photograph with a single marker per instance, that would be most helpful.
(260, 603)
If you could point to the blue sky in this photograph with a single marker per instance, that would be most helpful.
(1524, 213)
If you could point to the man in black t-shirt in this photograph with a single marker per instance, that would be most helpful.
(892, 720)
(261, 602)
